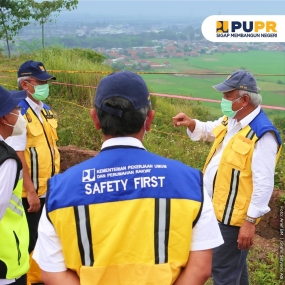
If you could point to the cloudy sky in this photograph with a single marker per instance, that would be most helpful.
(184, 8)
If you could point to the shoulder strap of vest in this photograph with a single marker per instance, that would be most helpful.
(25, 106)
(47, 107)
(7, 152)
(261, 125)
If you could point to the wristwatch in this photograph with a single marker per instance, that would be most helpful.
(251, 220)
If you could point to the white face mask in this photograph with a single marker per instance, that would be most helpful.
(20, 125)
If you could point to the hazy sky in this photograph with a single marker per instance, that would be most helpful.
(180, 8)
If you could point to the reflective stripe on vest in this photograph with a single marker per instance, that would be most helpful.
(34, 168)
(83, 229)
(161, 234)
(13, 207)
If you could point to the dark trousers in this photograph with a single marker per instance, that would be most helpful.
(20, 281)
(33, 222)
(229, 262)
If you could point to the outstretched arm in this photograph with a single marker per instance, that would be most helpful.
(197, 270)
(197, 130)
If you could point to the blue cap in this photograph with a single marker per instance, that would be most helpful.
(241, 80)
(34, 69)
(9, 100)
(125, 84)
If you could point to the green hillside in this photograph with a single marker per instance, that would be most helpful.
(267, 66)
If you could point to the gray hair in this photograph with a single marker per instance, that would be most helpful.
(255, 98)
(20, 79)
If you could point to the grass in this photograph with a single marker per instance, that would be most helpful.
(263, 267)
(259, 63)
(256, 61)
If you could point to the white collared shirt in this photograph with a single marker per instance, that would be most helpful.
(48, 250)
(263, 166)
(8, 170)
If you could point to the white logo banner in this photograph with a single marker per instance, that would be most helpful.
(244, 28)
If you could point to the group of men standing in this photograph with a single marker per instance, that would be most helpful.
(171, 225)
(36, 148)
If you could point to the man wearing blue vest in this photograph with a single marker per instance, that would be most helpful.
(14, 233)
(239, 171)
(126, 216)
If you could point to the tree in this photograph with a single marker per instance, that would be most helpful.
(189, 32)
(14, 14)
(41, 11)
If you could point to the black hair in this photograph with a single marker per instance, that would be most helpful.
(131, 121)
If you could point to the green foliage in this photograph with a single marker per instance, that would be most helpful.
(279, 122)
(263, 267)
(73, 60)
(41, 11)
(282, 199)
(107, 41)
(25, 47)
(75, 125)
(167, 140)
(14, 14)
(89, 54)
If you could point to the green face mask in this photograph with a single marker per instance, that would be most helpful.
(41, 91)
(227, 107)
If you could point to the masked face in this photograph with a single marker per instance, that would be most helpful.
(41, 91)
(19, 126)
(227, 107)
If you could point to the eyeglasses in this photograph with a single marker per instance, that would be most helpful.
(37, 82)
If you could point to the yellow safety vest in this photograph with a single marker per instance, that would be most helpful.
(120, 258)
(125, 226)
(233, 184)
(41, 153)
(14, 232)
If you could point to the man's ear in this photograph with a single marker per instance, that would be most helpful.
(149, 118)
(246, 99)
(95, 119)
(3, 120)
(24, 84)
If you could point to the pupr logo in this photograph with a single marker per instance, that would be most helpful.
(247, 27)
(244, 28)
(88, 175)
(222, 26)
